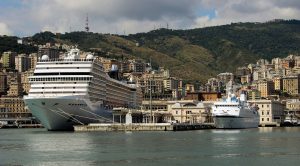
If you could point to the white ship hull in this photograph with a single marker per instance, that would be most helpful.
(236, 118)
(236, 122)
(63, 113)
(234, 113)
(73, 90)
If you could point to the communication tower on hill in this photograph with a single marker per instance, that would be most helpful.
(87, 28)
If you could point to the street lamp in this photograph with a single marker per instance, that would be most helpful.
(151, 119)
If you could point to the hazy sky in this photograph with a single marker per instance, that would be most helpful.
(27, 17)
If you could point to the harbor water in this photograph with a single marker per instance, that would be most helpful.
(262, 146)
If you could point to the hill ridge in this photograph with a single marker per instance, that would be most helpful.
(194, 54)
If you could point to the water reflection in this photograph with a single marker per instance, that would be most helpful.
(59, 142)
(226, 131)
(207, 147)
(265, 129)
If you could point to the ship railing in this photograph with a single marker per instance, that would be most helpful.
(66, 60)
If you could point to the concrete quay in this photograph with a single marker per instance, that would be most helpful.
(141, 127)
(125, 127)
(8, 126)
(183, 127)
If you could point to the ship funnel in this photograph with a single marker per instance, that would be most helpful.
(229, 88)
(114, 73)
(131, 79)
(242, 97)
(114, 67)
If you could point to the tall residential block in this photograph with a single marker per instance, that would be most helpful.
(266, 88)
(8, 60)
(33, 60)
(3, 83)
(171, 85)
(278, 85)
(154, 82)
(25, 81)
(51, 52)
(291, 84)
(22, 63)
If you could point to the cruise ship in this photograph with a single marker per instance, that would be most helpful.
(74, 90)
(234, 113)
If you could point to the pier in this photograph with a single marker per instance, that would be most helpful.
(182, 127)
(141, 127)
(8, 126)
(125, 119)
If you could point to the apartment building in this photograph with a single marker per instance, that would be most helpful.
(266, 88)
(12, 109)
(278, 85)
(271, 112)
(291, 84)
(8, 60)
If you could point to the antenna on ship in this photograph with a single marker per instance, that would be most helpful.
(87, 23)
(150, 64)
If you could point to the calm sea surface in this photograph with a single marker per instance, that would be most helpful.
(263, 146)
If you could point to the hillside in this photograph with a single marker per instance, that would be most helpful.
(9, 43)
(232, 45)
(194, 54)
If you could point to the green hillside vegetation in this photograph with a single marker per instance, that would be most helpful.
(230, 46)
(195, 54)
(9, 43)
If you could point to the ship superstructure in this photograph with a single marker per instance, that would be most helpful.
(75, 90)
(234, 112)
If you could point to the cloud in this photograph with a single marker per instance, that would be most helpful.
(4, 30)
(249, 11)
(132, 9)
(117, 15)
(287, 3)
(106, 16)
(132, 16)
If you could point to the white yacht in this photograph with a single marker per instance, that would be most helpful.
(3, 124)
(290, 120)
(73, 90)
(234, 113)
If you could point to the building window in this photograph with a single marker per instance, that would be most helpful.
(267, 119)
(176, 112)
(268, 113)
(262, 119)
(262, 112)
